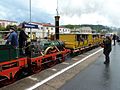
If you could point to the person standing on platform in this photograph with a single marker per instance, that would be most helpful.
(114, 38)
(107, 45)
(22, 41)
(12, 38)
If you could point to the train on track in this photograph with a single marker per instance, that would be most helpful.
(42, 54)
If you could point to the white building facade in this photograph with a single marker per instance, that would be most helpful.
(45, 30)
(82, 30)
(63, 30)
(5, 23)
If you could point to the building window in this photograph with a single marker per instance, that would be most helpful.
(41, 27)
(3, 24)
(51, 28)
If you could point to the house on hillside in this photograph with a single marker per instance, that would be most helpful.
(63, 30)
(82, 30)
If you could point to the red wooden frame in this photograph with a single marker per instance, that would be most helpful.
(10, 68)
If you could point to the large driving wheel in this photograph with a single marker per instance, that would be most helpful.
(50, 50)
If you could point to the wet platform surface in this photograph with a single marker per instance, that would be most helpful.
(98, 76)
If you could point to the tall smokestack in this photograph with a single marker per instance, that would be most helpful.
(57, 27)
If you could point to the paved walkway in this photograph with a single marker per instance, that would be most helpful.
(98, 76)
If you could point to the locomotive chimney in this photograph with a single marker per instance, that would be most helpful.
(57, 27)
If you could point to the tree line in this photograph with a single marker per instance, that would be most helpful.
(7, 27)
(98, 28)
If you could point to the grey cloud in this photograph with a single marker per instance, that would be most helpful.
(101, 7)
(89, 6)
(18, 10)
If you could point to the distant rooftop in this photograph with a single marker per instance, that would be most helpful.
(8, 21)
(44, 24)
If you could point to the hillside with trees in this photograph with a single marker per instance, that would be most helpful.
(98, 28)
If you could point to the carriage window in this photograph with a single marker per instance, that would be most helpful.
(41, 27)
(85, 36)
(51, 28)
(93, 36)
(78, 37)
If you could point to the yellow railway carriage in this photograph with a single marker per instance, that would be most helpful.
(97, 38)
(76, 41)
(81, 41)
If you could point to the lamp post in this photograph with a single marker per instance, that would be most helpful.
(30, 19)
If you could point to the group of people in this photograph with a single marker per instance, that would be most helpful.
(13, 39)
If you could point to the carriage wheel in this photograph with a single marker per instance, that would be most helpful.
(36, 69)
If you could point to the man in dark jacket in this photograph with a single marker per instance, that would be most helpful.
(107, 42)
(22, 41)
(12, 38)
(114, 38)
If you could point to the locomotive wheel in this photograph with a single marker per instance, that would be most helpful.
(50, 50)
(60, 59)
(7, 82)
(36, 69)
(52, 63)
(63, 60)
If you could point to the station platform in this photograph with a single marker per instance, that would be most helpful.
(98, 76)
(83, 72)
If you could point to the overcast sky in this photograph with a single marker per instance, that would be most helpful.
(105, 12)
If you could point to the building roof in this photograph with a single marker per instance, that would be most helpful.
(8, 21)
(37, 23)
(61, 27)
(44, 24)
(48, 25)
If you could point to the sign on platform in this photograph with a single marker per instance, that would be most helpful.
(27, 25)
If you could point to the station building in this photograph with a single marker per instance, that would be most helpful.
(45, 30)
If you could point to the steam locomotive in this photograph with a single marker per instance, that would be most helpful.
(38, 56)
